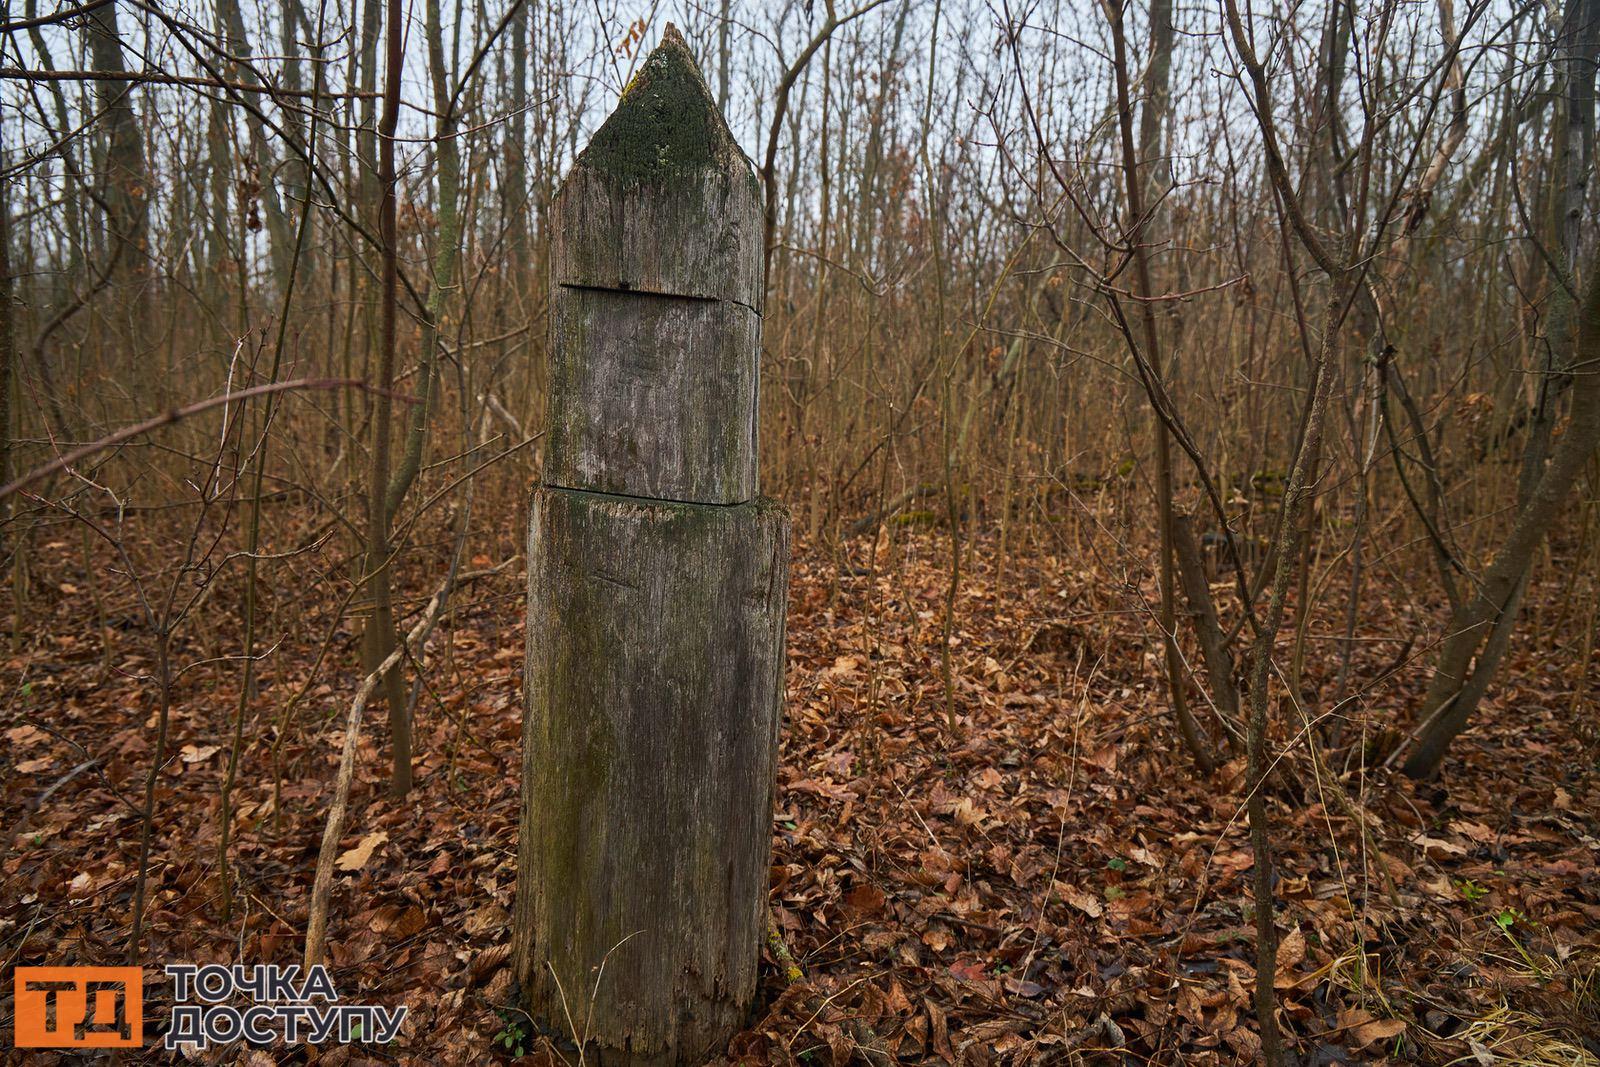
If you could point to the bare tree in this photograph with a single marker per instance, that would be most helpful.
(378, 645)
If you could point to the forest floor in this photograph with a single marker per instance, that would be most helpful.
(1047, 878)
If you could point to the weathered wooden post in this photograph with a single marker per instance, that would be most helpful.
(657, 584)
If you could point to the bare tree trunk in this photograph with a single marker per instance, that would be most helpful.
(366, 136)
(1156, 108)
(70, 163)
(8, 362)
(280, 235)
(724, 53)
(1480, 627)
(379, 636)
(127, 183)
(1477, 632)
(247, 684)
(1297, 493)
(1134, 189)
(516, 196)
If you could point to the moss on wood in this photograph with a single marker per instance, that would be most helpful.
(654, 685)
(666, 123)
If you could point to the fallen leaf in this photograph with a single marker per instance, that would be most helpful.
(488, 918)
(1088, 903)
(969, 971)
(1439, 844)
(864, 900)
(843, 666)
(968, 814)
(1291, 950)
(395, 922)
(1378, 1030)
(25, 735)
(485, 962)
(357, 858)
(1022, 987)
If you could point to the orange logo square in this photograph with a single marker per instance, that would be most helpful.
(79, 1007)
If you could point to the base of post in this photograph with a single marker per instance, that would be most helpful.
(654, 685)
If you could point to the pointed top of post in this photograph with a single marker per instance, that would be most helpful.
(666, 124)
(652, 397)
(662, 200)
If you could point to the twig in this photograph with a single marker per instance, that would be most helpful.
(167, 419)
(322, 887)
(156, 77)
(865, 1038)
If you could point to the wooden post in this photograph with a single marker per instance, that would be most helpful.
(657, 584)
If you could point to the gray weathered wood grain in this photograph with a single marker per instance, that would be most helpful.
(662, 200)
(654, 681)
(608, 234)
(657, 587)
(655, 299)
(659, 396)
